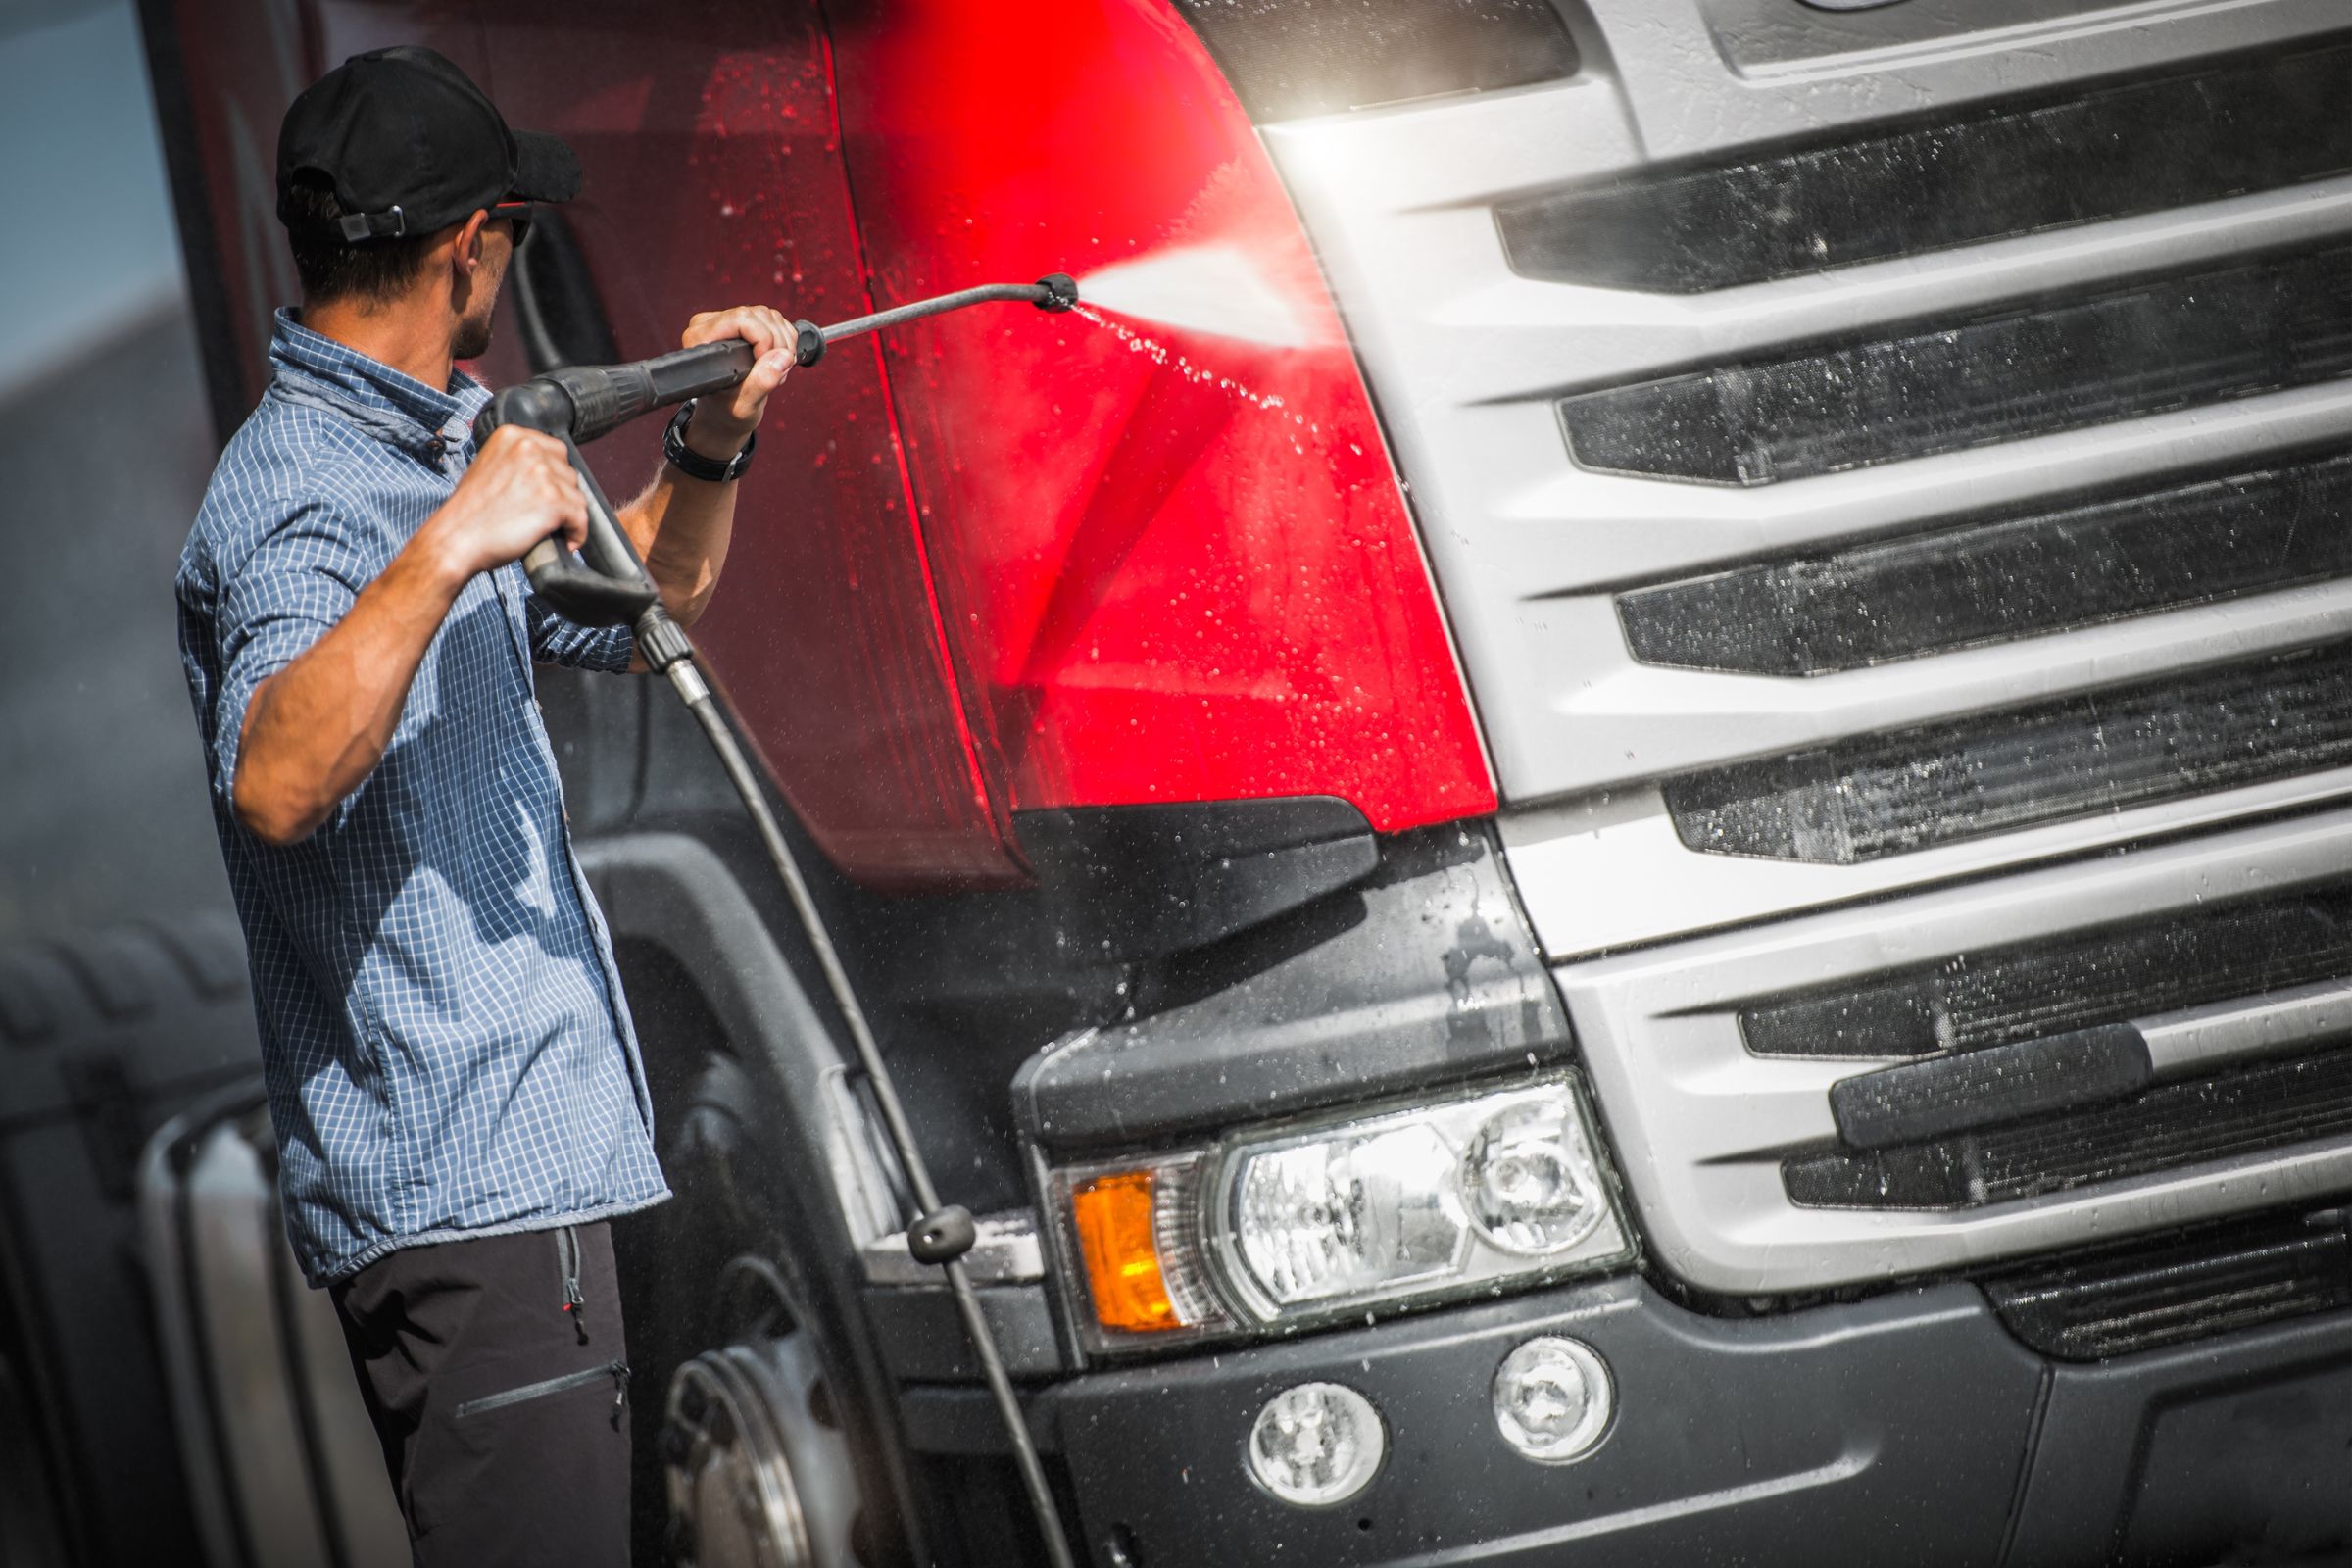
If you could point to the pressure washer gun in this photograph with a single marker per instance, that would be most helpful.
(605, 585)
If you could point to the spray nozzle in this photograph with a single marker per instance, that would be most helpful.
(807, 342)
(1061, 292)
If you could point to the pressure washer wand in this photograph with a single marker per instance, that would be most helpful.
(585, 401)
(604, 396)
(608, 586)
(1055, 291)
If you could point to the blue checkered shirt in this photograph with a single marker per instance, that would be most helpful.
(447, 1049)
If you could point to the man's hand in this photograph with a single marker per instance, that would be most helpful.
(520, 490)
(720, 426)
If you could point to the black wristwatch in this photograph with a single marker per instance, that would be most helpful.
(692, 463)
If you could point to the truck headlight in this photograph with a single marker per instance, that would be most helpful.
(1312, 1220)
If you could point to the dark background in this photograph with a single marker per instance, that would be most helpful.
(105, 446)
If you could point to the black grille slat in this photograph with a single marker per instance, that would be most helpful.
(2019, 576)
(2206, 337)
(2233, 953)
(1967, 1090)
(2018, 169)
(2257, 1109)
(1892, 1017)
(1877, 795)
(2143, 1296)
(1978, 1000)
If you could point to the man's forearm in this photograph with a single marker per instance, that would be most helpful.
(681, 526)
(315, 729)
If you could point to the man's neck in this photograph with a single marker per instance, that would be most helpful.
(414, 342)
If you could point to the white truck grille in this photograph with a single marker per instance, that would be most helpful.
(1762, 407)
(1719, 1063)
(1865, 458)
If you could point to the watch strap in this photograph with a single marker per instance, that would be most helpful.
(692, 463)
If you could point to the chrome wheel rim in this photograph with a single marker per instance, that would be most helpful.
(756, 1477)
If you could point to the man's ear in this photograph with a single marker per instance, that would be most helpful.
(466, 249)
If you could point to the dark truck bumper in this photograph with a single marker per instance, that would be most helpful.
(1911, 1428)
(1906, 1429)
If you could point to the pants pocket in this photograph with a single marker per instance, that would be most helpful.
(545, 1388)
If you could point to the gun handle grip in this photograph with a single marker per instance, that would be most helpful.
(607, 586)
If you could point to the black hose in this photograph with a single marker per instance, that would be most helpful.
(704, 707)
(609, 587)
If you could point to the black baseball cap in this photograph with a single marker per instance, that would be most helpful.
(410, 145)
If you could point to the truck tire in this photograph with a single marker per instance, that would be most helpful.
(283, 1467)
(32, 1530)
(747, 1394)
(103, 1037)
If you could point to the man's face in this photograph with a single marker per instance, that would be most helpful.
(474, 328)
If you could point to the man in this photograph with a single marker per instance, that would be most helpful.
(453, 1077)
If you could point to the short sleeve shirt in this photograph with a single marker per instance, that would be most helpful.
(446, 1044)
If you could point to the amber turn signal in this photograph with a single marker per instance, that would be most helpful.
(1114, 1215)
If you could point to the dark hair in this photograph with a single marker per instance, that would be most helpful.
(331, 270)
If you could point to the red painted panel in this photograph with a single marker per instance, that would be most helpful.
(713, 177)
(1170, 566)
(242, 62)
(1177, 566)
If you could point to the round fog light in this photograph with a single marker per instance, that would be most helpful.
(1552, 1399)
(1316, 1444)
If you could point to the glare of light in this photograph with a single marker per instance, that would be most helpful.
(1218, 289)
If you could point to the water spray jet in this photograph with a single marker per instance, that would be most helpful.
(1218, 290)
